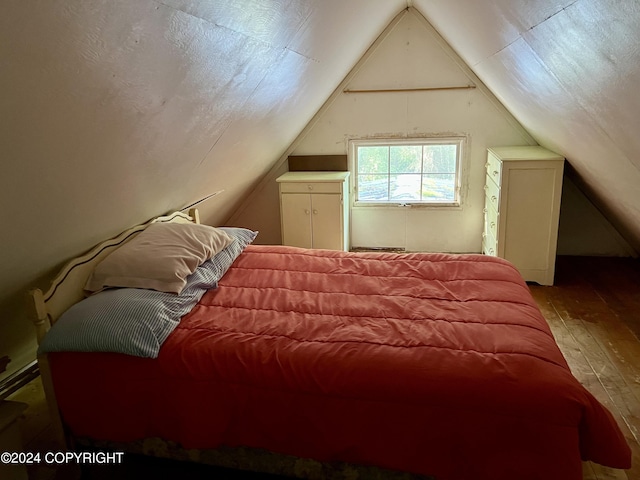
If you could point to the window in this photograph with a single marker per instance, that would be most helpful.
(420, 171)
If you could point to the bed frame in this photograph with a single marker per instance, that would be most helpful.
(67, 289)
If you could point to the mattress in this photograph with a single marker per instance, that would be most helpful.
(432, 364)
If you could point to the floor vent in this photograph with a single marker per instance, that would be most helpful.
(379, 249)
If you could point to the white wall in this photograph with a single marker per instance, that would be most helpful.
(409, 54)
(412, 55)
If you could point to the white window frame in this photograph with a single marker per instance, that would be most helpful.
(459, 141)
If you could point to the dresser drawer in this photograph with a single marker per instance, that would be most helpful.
(490, 220)
(494, 168)
(492, 191)
(311, 187)
(489, 245)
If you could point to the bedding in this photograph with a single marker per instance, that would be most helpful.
(433, 364)
(183, 247)
(136, 321)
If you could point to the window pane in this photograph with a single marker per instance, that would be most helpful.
(405, 159)
(373, 188)
(405, 187)
(439, 187)
(411, 172)
(373, 159)
(439, 159)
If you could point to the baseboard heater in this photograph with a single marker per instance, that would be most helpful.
(379, 249)
(19, 379)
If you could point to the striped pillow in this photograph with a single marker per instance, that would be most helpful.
(137, 321)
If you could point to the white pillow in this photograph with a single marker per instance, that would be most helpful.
(159, 258)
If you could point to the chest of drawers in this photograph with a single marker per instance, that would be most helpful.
(523, 189)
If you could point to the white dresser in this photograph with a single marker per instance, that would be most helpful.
(522, 206)
(314, 209)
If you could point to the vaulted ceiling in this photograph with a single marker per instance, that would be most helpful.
(112, 112)
(569, 71)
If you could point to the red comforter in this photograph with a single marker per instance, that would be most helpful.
(429, 363)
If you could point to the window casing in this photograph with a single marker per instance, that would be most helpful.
(421, 171)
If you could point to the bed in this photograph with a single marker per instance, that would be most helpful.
(318, 363)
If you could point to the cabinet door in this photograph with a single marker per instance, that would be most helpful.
(327, 221)
(296, 219)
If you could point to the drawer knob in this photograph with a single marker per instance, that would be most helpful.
(310, 187)
(307, 211)
(315, 212)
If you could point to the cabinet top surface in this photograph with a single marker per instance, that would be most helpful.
(313, 177)
(525, 153)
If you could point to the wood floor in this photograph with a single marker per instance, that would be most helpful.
(594, 312)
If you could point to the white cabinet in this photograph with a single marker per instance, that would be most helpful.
(522, 207)
(314, 209)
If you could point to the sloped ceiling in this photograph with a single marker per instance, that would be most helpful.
(112, 112)
(569, 71)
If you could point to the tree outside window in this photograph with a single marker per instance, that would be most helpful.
(424, 172)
